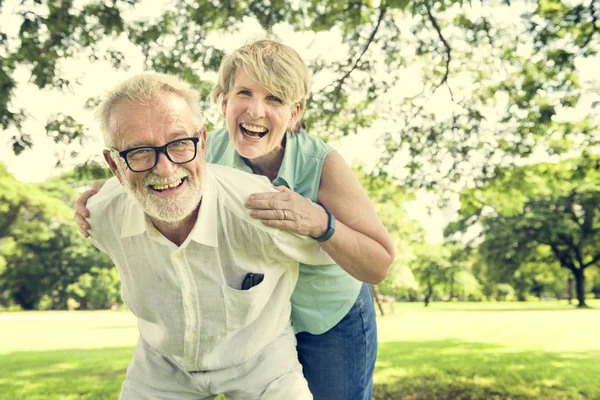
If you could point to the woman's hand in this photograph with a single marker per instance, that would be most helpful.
(288, 210)
(81, 212)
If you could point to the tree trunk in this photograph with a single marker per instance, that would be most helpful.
(428, 294)
(580, 287)
(378, 298)
(570, 289)
(25, 299)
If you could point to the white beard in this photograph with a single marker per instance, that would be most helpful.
(169, 209)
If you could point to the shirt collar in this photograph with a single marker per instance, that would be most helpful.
(286, 171)
(204, 230)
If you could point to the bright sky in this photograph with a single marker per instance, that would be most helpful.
(39, 164)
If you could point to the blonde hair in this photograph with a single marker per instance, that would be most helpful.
(275, 66)
(143, 89)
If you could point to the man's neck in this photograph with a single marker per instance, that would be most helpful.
(178, 231)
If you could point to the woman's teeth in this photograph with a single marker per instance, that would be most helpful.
(253, 130)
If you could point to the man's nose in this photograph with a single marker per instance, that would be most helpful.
(164, 167)
(256, 109)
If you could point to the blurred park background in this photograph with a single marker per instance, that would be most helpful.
(472, 125)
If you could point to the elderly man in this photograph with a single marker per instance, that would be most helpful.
(210, 285)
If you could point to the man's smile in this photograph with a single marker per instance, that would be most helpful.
(169, 188)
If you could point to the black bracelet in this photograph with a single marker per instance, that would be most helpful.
(330, 228)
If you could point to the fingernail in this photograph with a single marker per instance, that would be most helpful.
(251, 197)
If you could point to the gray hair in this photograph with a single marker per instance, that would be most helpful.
(142, 89)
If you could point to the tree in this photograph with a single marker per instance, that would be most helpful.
(523, 71)
(40, 249)
(176, 42)
(100, 288)
(553, 206)
(433, 269)
(539, 275)
(390, 200)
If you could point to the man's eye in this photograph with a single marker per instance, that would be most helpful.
(141, 153)
(178, 145)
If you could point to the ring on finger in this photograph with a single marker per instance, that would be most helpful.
(284, 215)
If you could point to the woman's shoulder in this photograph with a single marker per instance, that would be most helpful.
(217, 137)
(311, 145)
(217, 142)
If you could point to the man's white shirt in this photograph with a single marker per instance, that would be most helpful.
(188, 299)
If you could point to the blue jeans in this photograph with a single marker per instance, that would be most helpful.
(339, 363)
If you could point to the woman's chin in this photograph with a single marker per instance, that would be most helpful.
(250, 150)
(249, 154)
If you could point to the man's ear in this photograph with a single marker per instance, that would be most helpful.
(296, 110)
(113, 166)
(202, 143)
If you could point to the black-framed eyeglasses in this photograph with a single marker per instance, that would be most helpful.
(144, 158)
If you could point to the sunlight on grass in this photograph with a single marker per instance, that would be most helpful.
(449, 351)
(390, 375)
(551, 382)
(515, 326)
(478, 380)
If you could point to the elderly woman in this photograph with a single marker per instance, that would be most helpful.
(262, 89)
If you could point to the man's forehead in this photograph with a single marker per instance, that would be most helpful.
(168, 105)
(142, 122)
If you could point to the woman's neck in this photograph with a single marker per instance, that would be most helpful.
(269, 164)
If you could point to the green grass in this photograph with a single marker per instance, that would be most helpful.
(489, 351)
(448, 351)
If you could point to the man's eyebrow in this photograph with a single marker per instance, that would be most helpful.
(176, 134)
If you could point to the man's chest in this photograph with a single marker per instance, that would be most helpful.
(201, 285)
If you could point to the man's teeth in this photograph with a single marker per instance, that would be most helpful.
(167, 186)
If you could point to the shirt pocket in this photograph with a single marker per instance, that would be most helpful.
(242, 307)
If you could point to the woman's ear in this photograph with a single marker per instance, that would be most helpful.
(296, 111)
(224, 105)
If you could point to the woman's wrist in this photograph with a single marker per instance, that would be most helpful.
(321, 226)
(329, 228)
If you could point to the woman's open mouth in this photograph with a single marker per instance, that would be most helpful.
(253, 132)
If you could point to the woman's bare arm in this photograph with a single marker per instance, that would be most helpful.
(360, 245)
(81, 211)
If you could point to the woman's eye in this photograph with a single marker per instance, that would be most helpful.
(275, 99)
(245, 93)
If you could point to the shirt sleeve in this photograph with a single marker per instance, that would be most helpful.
(100, 206)
(303, 249)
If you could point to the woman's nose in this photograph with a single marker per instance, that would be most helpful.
(256, 109)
